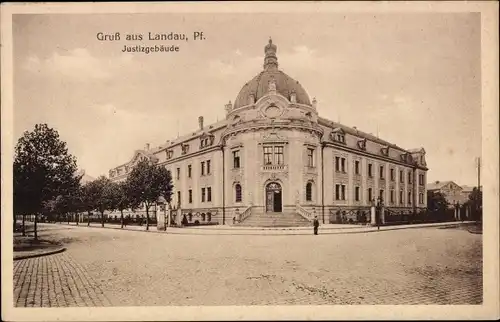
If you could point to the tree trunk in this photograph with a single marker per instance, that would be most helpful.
(147, 217)
(24, 225)
(102, 219)
(35, 227)
(121, 217)
(77, 218)
(88, 218)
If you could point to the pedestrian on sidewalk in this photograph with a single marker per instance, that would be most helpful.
(316, 225)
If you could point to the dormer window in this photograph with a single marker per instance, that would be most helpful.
(185, 149)
(385, 151)
(362, 144)
(406, 157)
(338, 135)
(206, 140)
(170, 154)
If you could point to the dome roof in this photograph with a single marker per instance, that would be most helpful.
(259, 85)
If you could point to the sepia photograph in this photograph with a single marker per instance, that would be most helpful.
(167, 160)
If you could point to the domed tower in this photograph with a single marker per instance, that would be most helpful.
(259, 86)
(274, 138)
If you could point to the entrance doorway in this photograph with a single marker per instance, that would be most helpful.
(273, 197)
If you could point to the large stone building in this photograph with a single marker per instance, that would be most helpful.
(273, 154)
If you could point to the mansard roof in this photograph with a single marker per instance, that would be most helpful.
(335, 126)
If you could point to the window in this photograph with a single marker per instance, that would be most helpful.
(421, 198)
(278, 155)
(392, 174)
(340, 192)
(401, 176)
(190, 196)
(409, 177)
(401, 201)
(208, 166)
(370, 170)
(202, 194)
(409, 197)
(209, 194)
(273, 155)
(309, 191)
(339, 164)
(310, 157)
(236, 159)
(178, 198)
(392, 197)
(340, 137)
(356, 167)
(356, 193)
(421, 179)
(189, 171)
(203, 168)
(237, 191)
(381, 194)
(178, 173)
(370, 196)
(268, 155)
(381, 172)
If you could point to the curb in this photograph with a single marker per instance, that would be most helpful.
(269, 232)
(50, 252)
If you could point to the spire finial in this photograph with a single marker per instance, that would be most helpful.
(270, 60)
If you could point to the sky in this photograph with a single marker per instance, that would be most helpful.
(413, 78)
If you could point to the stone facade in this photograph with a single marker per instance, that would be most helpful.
(273, 152)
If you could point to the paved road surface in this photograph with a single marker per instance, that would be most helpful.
(106, 267)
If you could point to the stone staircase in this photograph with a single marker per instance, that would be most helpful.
(275, 219)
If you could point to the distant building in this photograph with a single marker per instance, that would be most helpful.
(274, 154)
(85, 178)
(453, 192)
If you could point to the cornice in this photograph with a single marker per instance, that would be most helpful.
(373, 156)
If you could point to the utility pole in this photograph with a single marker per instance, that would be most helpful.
(479, 173)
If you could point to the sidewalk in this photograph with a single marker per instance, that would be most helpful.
(326, 229)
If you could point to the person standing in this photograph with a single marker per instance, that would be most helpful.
(316, 225)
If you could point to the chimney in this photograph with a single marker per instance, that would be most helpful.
(314, 103)
(146, 147)
(200, 122)
(293, 97)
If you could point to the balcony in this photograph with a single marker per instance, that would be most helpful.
(274, 167)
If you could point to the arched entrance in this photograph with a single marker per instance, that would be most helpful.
(273, 197)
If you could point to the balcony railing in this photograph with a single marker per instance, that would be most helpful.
(274, 167)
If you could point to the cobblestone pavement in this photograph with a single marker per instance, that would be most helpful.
(415, 266)
(55, 281)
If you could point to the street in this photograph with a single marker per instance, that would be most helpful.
(109, 267)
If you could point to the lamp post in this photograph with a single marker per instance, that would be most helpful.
(380, 204)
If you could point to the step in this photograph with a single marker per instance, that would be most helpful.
(275, 219)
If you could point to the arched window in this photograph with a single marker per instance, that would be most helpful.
(237, 190)
(209, 217)
(203, 217)
(309, 191)
(190, 217)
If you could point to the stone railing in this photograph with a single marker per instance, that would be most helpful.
(274, 167)
(245, 214)
(304, 213)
